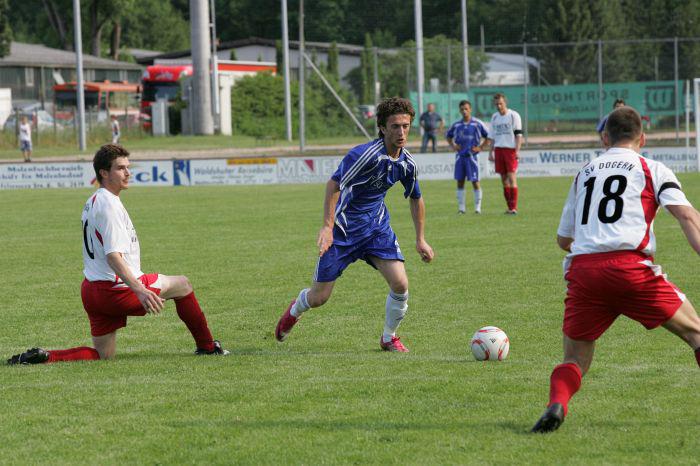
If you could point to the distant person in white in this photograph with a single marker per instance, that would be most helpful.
(116, 132)
(25, 139)
(506, 136)
(607, 228)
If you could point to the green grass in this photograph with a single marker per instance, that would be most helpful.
(328, 395)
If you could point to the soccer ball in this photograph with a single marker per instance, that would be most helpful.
(490, 344)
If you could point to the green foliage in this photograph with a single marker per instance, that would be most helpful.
(258, 108)
(333, 61)
(366, 95)
(232, 54)
(5, 30)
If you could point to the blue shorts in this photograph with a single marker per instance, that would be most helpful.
(25, 146)
(466, 167)
(331, 265)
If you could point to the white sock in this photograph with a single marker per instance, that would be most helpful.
(477, 199)
(396, 307)
(301, 305)
(460, 199)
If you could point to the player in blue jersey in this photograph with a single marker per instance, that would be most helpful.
(356, 221)
(600, 127)
(466, 137)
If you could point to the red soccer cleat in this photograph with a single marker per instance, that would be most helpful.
(394, 345)
(286, 323)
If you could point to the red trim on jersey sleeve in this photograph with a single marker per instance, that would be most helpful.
(649, 204)
(93, 199)
(99, 237)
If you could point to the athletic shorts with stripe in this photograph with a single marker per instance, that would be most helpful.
(331, 265)
(604, 285)
(506, 161)
(108, 304)
(466, 167)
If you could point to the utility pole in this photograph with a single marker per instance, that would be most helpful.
(418, 14)
(203, 123)
(214, 69)
(285, 65)
(302, 65)
(80, 91)
(465, 45)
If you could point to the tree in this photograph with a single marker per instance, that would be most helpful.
(5, 31)
(367, 75)
(568, 21)
(333, 60)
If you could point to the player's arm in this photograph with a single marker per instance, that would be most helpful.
(489, 142)
(565, 242)
(325, 235)
(689, 219)
(418, 214)
(518, 131)
(151, 302)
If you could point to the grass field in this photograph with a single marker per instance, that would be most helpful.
(328, 395)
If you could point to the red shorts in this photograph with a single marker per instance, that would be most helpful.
(506, 161)
(108, 304)
(603, 286)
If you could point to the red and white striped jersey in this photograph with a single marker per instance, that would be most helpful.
(613, 201)
(107, 228)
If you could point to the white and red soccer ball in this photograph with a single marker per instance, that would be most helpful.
(490, 344)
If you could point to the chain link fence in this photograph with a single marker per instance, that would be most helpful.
(556, 87)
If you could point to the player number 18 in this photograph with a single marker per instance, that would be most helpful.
(609, 196)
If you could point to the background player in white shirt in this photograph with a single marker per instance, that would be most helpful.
(116, 131)
(114, 286)
(606, 226)
(506, 136)
(25, 139)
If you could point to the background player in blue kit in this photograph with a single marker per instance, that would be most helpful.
(466, 138)
(356, 221)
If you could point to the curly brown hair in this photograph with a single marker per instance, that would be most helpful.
(393, 106)
(105, 156)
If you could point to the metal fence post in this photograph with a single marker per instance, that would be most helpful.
(675, 84)
(527, 99)
(600, 79)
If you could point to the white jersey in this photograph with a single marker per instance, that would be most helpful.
(116, 132)
(25, 132)
(613, 201)
(504, 129)
(107, 228)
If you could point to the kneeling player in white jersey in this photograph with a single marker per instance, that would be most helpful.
(114, 286)
(606, 227)
(356, 221)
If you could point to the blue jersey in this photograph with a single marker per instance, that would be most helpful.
(601, 124)
(365, 175)
(467, 134)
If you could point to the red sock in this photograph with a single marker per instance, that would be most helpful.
(514, 198)
(564, 382)
(81, 353)
(697, 356)
(191, 314)
(506, 194)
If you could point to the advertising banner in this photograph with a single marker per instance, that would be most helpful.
(563, 102)
(297, 170)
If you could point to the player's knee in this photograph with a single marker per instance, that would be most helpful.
(184, 285)
(399, 286)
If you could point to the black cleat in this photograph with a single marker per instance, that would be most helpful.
(217, 350)
(31, 356)
(550, 420)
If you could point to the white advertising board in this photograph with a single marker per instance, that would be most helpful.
(295, 170)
